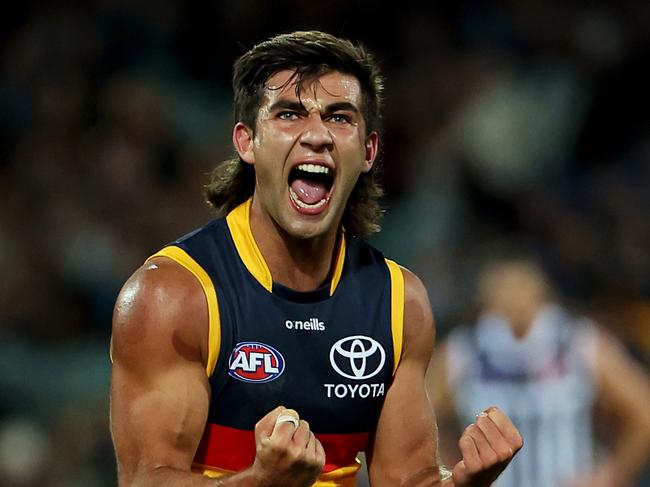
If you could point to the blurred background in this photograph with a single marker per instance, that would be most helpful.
(505, 122)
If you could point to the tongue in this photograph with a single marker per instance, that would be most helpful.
(310, 192)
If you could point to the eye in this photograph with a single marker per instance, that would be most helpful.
(339, 118)
(287, 115)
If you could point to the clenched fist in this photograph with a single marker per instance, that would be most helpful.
(287, 452)
(487, 447)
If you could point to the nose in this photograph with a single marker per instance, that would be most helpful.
(316, 135)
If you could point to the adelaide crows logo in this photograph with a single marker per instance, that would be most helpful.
(255, 362)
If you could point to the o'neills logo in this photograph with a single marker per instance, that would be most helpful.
(312, 324)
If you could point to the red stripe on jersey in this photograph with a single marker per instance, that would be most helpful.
(226, 448)
(341, 450)
(234, 449)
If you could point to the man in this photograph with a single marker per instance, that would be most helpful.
(558, 376)
(281, 303)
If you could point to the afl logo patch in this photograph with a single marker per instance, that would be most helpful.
(255, 362)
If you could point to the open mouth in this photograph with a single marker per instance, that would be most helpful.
(310, 186)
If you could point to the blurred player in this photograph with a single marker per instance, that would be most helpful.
(554, 374)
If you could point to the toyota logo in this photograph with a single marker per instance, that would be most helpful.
(352, 355)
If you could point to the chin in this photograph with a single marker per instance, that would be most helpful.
(306, 232)
(301, 229)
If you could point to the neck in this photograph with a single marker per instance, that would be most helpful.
(522, 322)
(300, 264)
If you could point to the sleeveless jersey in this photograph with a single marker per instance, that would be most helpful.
(329, 353)
(543, 382)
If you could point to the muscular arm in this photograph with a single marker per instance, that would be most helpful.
(159, 390)
(404, 446)
(160, 393)
(159, 387)
(405, 441)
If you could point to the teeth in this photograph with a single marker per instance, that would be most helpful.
(314, 168)
(302, 204)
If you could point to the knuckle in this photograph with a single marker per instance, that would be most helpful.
(504, 454)
(482, 420)
(279, 450)
(473, 468)
(490, 459)
(294, 456)
(465, 442)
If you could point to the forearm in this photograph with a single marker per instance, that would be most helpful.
(173, 477)
(430, 476)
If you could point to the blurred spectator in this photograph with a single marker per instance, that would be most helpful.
(24, 452)
(560, 377)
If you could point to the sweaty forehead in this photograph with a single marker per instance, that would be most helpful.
(331, 87)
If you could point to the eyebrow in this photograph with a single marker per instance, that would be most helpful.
(286, 105)
(297, 106)
(342, 106)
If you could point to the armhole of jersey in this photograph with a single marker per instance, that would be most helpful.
(396, 309)
(181, 257)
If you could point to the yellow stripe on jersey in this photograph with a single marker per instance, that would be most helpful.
(396, 309)
(181, 257)
(239, 224)
(341, 477)
(212, 472)
(338, 267)
(238, 221)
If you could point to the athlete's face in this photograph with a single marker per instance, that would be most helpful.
(308, 151)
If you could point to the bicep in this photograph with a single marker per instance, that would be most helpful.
(405, 440)
(159, 388)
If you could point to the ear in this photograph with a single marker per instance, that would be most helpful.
(242, 139)
(372, 149)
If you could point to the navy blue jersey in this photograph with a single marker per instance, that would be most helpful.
(328, 353)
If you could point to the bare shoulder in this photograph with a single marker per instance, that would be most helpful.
(160, 312)
(419, 328)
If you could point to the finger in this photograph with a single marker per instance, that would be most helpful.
(494, 437)
(311, 446)
(320, 453)
(507, 429)
(302, 434)
(264, 426)
(485, 452)
(286, 424)
(460, 474)
(469, 452)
